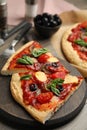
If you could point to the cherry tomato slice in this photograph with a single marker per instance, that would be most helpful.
(74, 36)
(85, 39)
(84, 24)
(43, 58)
(58, 75)
(44, 97)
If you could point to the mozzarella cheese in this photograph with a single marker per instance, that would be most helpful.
(34, 60)
(52, 59)
(41, 76)
(71, 79)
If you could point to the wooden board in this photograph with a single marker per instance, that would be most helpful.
(13, 112)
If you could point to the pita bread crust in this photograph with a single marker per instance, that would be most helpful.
(71, 54)
(5, 70)
(41, 116)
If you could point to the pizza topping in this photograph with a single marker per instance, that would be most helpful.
(34, 45)
(52, 67)
(25, 60)
(25, 77)
(28, 98)
(37, 52)
(60, 74)
(43, 58)
(55, 64)
(40, 76)
(68, 87)
(33, 87)
(83, 49)
(53, 86)
(55, 91)
(44, 97)
(60, 88)
(70, 79)
(81, 42)
(52, 59)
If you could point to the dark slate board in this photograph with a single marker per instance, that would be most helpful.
(12, 112)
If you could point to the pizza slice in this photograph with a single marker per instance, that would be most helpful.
(40, 94)
(74, 46)
(21, 61)
(31, 57)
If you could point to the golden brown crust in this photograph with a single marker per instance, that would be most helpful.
(5, 70)
(41, 116)
(71, 54)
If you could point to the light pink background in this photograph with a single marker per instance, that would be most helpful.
(16, 8)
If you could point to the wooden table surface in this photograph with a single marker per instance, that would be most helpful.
(80, 121)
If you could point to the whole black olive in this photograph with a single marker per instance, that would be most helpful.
(56, 17)
(38, 17)
(33, 87)
(45, 21)
(40, 22)
(58, 21)
(45, 15)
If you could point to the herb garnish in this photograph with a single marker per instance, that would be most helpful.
(53, 86)
(81, 42)
(25, 60)
(25, 77)
(38, 51)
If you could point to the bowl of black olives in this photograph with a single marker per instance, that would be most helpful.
(47, 24)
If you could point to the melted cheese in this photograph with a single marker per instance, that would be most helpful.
(49, 54)
(41, 76)
(34, 60)
(71, 79)
(52, 59)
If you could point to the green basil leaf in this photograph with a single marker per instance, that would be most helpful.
(22, 61)
(58, 81)
(81, 43)
(39, 51)
(49, 85)
(53, 86)
(55, 91)
(55, 82)
(25, 77)
(26, 60)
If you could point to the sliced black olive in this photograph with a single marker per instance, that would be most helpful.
(33, 87)
(84, 29)
(55, 64)
(60, 88)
